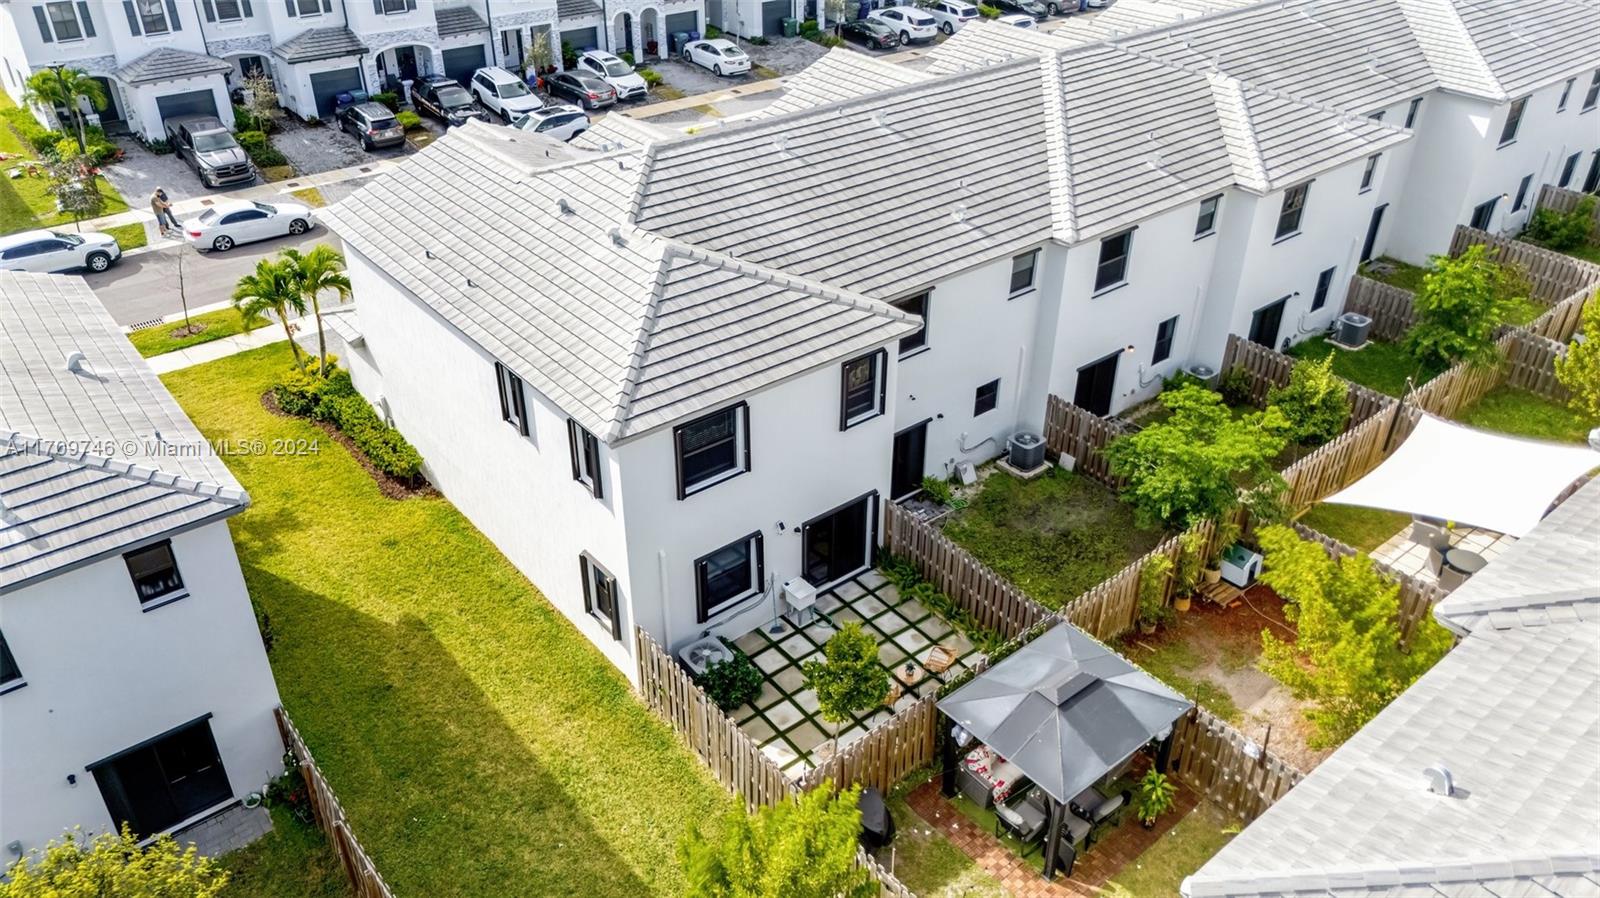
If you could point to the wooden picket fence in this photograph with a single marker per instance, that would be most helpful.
(1552, 276)
(1341, 461)
(992, 600)
(1562, 320)
(1215, 760)
(1560, 199)
(1392, 309)
(881, 758)
(1070, 430)
(1269, 368)
(1417, 597)
(732, 757)
(365, 881)
(1531, 365)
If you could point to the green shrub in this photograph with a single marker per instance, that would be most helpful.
(1235, 386)
(65, 148)
(408, 120)
(1316, 402)
(732, 683)
(334, 399)
(988, 12)
(260, 150)
(651, 76)
(1153, 607)
(159, 147)
(300, 392)
(1460, 307)
(1563, 230)
(938, 490)
(387, 98)
(626, 57)
(244, 119)
(713, 32)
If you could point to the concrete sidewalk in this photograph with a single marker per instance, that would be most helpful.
(220, 349)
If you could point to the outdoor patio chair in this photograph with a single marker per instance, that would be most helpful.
(1107, 815)
(1023, 818)
(940, 659)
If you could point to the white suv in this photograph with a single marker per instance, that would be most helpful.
(910, 23)
(51, 251)
(613, 71)
(503, 93)
(951, 14)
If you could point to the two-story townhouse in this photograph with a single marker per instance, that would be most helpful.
(697, 493)
(134, 686)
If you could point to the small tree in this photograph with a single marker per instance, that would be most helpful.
(75, 184)
(1563, 231)
(262, 101)
(273, 287)
(1461, 303)
(1191, 466)
(1578, 368)
(1315, 401)
(541, 54)
(1153, 578)
(1348, 660)
(62, 87)
(319, 271)
(848, 678)
(114, 865)
(804, 848)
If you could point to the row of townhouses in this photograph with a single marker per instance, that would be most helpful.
(133, 682)
(691, 369)
(164, 58)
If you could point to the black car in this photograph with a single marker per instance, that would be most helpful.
(585, 90)
(446, 101)
(869, 33)
(374, 124)
(1035, 8)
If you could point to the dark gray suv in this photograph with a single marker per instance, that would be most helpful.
(374, 124)
(204, 143)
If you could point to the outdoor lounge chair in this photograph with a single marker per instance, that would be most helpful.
(940, 659)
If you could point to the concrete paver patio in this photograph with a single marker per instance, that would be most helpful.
(784, 720)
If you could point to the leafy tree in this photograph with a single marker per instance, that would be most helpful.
(273, 287)
(1578, 368)
(114, 866)
(1461, 303)
(262, 101)
(1192, 466)
(75, 184)
(804, 848)
(62, 87)
(319, 271)
(1315, 401)
(1153, 578)
(541, 55)
(848, 678)
(1347, 661)
(1563, 230)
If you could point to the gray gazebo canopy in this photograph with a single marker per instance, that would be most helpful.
(1065, 710)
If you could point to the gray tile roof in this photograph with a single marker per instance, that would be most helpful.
(576, 9)
(457, 20)
(979, 44)
(622, 329)
(320, 43)
(1127, 17)
(93, 460)
(840, 74)
(1512, 712)
(168, 64)
(617, 131)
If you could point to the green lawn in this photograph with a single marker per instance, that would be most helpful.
(1382, 366)
(293, 861)
(1510, 410)
(1055, 536)
(1395, 273)
(1180, 665)
(1363, 528)
(1185, 848)
(159, 339)
(129, 236)
(26, 202)
(930, 865)
(479, 744)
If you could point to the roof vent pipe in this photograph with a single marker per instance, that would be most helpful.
(959, 213)
(616, 237)
(1439, 780)
(76, 361)
(564, 206)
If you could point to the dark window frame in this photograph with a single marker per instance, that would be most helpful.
(1566, 94)
(78, 13)
(756, 544)
(10, 672)
(1032, 268)
(1569, 169)
(585, 450)
(513, 398)
(1205, 223)
(1513, 122)
(1166, 332)
(878, 359)
(172, 591)
(741, 451)
(1412, 110)
(1522, 193)
(1319, 297)
(1591, 97)
(107, 771)
(1487, 208)
(599, 585)
(1107, 279)
(1370, 172)
(986, 398)
(1292, 212)
(911, 344)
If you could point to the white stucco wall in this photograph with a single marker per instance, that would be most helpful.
(103, 675)
(144, 113)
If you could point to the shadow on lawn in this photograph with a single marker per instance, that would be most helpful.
(443, 794)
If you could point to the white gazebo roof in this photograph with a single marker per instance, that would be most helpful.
(1472, 477)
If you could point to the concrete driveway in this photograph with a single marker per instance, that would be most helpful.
(313, 149)
(140, 172)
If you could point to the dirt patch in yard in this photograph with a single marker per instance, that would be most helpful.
(1210, 653)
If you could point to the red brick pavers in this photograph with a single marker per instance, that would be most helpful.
(1020, 876)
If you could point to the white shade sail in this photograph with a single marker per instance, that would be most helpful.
(1472, 477)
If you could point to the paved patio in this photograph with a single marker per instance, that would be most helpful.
(1411, 558)
(784, 721)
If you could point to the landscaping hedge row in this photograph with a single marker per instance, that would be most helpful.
(49, 143)
(334, 399)
(261, 152)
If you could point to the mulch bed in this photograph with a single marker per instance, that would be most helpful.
(390, 486)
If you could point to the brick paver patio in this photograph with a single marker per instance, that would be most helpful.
(784, 721)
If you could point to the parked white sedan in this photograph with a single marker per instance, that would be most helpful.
(226, 225)
(719, 55)
(1018, 20)
(51, 251)
(910, 23)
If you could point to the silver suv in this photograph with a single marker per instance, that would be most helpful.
(204, 143)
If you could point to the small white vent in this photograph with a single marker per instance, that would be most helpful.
(616, 237)
(77, 362)
(959, 213)
(1440, 782)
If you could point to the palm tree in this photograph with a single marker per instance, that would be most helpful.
(274, 287)
(318, 270)
(60, 87)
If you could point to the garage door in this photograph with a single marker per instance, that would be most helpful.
(326, 86)
(684, 22)
(582, 38)
(194, 102)
(773, 12)
(460, 63)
